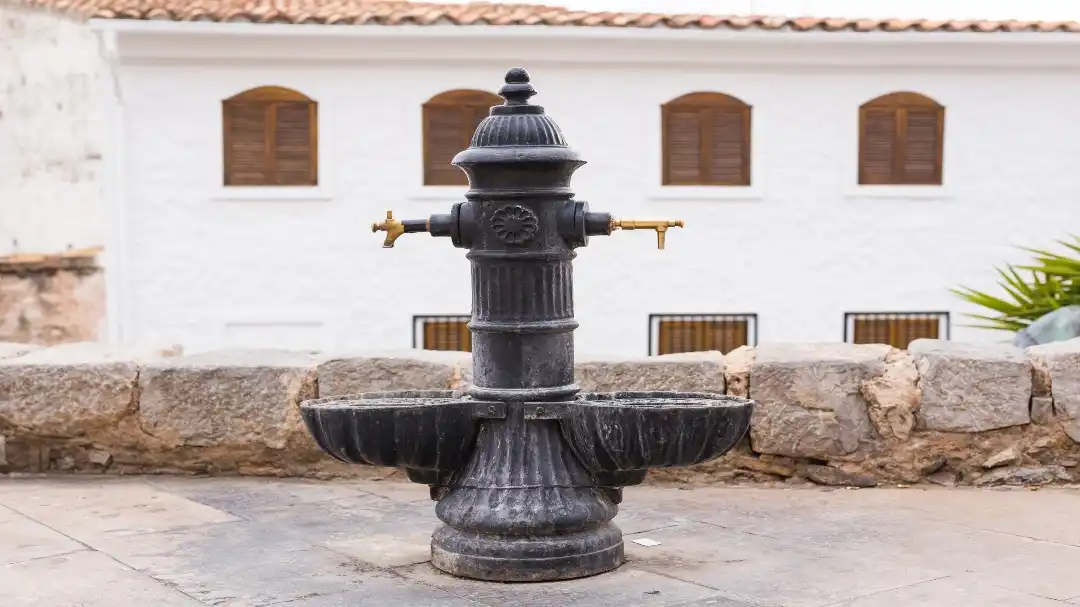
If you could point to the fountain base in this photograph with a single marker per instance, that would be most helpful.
(504, 558)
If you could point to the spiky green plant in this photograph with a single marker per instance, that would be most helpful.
(1055, 282)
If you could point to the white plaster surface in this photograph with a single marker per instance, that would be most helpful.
(51, 132)
(799, 248)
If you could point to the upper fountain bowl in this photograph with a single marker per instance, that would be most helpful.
(419, 429)
(620, 431)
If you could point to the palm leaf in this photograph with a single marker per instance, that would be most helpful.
(1054, 282)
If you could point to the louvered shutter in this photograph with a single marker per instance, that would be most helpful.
(897, 332)
(444, 136)
(682, 146)
(871, 331)
(294, 152)
(921, 146)
(878, 146)
(451, 335)
(246, 145)
(728, 146)
(726, 335)
(910, 329)
(675, 337)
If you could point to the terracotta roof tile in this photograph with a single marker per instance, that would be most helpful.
(399, 12)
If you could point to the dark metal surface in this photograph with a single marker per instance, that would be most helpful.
(527, 473)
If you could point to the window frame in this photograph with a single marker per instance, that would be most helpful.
(420, 320)
(899, 102)
(273, 96)
(655, 320)
(454, 98)
(704, 102)
(944, 321)
(321, 191)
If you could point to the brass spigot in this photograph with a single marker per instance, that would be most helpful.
(661, 226)
(392, 227)
(395, 228)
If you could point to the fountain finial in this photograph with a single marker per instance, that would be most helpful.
(517, 89)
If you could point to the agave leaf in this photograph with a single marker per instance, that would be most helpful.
(989, 301)
(1054, 282)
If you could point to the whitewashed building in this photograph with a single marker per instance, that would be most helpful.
(824, 168)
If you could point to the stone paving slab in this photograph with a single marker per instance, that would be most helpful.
(22, 539)
(245, 542)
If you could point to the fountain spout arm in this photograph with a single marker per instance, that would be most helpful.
(436, 225)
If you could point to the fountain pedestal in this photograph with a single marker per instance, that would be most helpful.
(527, 471)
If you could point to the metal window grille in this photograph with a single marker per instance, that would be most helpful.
(442, 333)
(675, 333)
(897, 329)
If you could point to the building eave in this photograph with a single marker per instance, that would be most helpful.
(162, 39)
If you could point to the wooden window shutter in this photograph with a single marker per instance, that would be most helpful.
(706, 140)
(450, 119)
(294, 143)
(270, 138)
(246, 147)
(922, 150)
(897, 330)
(444, 334)
(682, 147)
(901, 140)
(723, 334)
(878, 147)
(729, 153)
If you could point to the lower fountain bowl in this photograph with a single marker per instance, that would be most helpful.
(623, 431)
(419, 429)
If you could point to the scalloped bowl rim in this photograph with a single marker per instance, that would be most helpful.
(662, 400)
(380, 400)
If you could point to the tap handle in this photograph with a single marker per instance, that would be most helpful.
(395, 228)
(661, 226)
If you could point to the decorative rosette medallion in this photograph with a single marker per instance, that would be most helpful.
(514, 224)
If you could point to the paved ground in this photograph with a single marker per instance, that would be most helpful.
(175, 542)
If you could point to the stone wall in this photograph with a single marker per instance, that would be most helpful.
(836, 414)
(51, 299)
(53, 83)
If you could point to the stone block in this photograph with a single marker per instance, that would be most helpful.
(835, 477)
(971, 387)
(245, 398)
(73, 390)
(809, 398)
(688, 372)
(1042, 410)
(11, 350)
(410, 370)
(893, 398)
(1059, 364)
(1044, 475)
(737, 365)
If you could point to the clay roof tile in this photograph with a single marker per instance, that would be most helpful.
(401, 12)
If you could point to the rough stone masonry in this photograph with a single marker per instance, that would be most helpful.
(837, 414)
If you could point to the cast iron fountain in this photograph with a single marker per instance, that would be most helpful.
(527, 471)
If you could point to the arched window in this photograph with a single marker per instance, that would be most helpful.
(901, 140)
(450, 119)
(706, 140)
(270, 137)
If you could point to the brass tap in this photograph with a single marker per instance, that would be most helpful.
(661, 226)
(392, 227)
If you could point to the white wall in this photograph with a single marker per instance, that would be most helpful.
(308, 273)
(51, 130)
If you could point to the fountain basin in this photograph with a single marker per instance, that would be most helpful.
(624, 431)
(416, 429)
